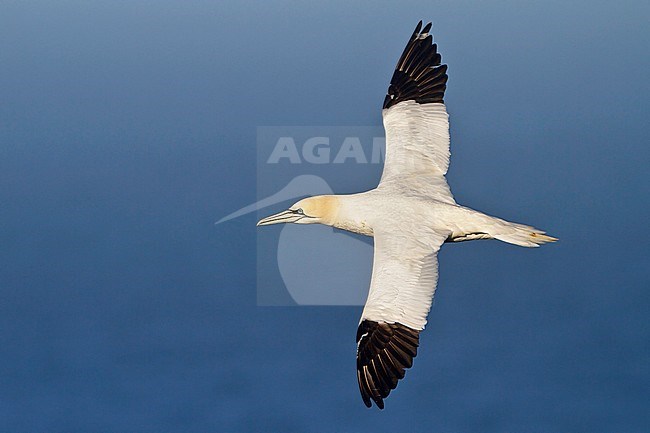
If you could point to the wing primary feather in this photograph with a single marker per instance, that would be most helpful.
(363, 387)
(417, 28)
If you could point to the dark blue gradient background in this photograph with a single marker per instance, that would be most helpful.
(128, 128)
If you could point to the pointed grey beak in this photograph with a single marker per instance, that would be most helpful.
(287, 216)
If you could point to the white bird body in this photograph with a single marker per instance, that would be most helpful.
(393, 211)
(410, 215)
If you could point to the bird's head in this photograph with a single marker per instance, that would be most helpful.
(321, 209)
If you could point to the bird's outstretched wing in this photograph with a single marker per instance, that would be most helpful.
(404, 277)
(416, 120)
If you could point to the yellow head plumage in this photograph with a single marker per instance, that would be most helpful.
(321, 209)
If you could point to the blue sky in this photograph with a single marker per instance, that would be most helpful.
(128, 128)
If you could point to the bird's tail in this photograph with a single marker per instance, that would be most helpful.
(521, 235)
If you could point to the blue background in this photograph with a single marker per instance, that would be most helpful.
(128, 128)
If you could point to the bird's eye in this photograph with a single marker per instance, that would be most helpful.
(300, 212)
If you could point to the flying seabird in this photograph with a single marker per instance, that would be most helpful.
(410, 214)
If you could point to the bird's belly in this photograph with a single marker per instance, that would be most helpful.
(401, 213)
(361, 227)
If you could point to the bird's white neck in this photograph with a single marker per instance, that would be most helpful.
(349, 215)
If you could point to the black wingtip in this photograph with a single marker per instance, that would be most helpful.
(384, 352)
(419, 75)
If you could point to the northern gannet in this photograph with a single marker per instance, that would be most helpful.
(410, 214)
